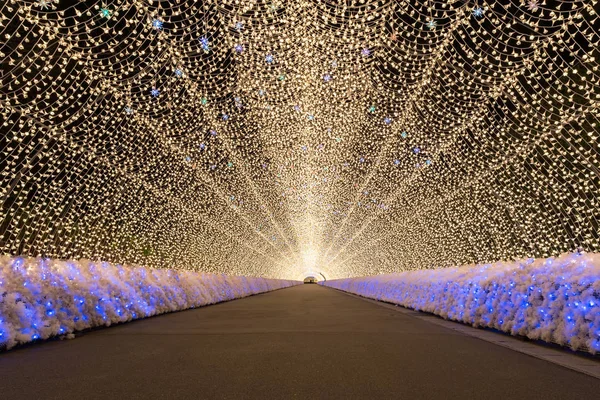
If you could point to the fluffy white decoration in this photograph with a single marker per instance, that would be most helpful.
(555, 300)
(41, 298)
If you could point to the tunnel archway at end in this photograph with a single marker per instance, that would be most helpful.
(317, 275)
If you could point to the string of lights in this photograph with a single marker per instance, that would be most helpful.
(273, 137)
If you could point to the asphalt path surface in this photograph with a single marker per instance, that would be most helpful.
(305, 342)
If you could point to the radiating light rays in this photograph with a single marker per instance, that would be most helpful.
(356, 131)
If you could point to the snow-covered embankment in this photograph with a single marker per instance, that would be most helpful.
(41, 298)
(555, 299)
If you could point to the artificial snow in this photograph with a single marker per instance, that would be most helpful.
(41, 298)
(555, 300)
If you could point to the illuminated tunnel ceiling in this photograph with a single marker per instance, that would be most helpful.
(288, 138)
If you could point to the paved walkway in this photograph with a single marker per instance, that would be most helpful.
(306, 342)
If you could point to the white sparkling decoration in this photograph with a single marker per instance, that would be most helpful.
(555, 300)
(41, 298)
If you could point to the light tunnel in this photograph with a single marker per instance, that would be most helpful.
(160, 156)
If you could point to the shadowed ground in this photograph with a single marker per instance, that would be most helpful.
(306, 342)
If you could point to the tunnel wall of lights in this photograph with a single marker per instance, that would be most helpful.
(239, 137)
(43, 298)
(555, 299)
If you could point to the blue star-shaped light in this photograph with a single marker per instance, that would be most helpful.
(239, 48)
(203, 101)
(478, 12)
(230, 164)
(157, 24)
(154, 92)
(362, 159)
(404, 135)
(128, 110)
(297, 108)
(427, 162)
(178, 73)
(304, 148)
(213, 132)
(365, 52)
(326, 77)
(239, 26)
(202, 146)
(225, 117)
(310, 117)
(387, 120)
(416, 150)
(431, 25)
(372, 109)
(261, 92)
(188, 158)
(269, 58)
(396, 162)
(205, 44)
(105, 12)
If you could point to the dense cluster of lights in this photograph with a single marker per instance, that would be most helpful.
(555, 299)
(42, 298)
(273, 138)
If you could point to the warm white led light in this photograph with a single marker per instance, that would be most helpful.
(234, 136)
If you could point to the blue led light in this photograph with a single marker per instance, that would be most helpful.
(204, 44)
(478, 12)
(157, 24)
(510, 293)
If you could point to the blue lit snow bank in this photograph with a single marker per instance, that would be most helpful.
(41, 298)
(555, 300)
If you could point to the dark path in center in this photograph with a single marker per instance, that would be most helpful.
(306, 342)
